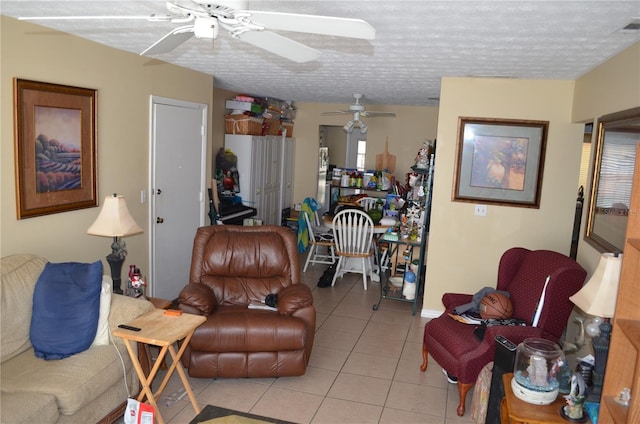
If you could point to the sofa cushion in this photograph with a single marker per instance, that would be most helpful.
(75, 381)
(66, 307)
(102, 333)
(28, 408)
(19, 276)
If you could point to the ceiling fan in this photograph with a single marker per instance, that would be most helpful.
(204, 18)
(358, 110)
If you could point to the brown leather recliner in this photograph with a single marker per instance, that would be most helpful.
(231, 267)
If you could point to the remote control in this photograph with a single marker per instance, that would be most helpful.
(506, 343)
(128, 327)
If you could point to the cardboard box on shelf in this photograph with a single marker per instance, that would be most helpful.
(243, 125)
(244, 106)
(288, 125)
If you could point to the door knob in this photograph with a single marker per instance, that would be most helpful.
(158, 191)
(159, 220)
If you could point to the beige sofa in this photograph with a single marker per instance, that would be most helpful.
(84, 388)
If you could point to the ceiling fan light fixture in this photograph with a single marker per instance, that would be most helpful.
(363, 127)
(349, 126)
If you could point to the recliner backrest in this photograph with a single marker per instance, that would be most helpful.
(244, 264)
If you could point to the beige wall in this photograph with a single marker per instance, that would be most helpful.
(464, 249)
(611, 87)
(125, 82)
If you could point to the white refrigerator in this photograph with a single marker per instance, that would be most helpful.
(324, 181)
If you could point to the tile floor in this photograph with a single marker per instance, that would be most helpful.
(364, 368)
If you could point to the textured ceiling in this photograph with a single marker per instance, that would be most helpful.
(417, 43)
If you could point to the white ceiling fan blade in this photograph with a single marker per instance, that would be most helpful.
(97, 17)
(374, 114)
(282, 46)
(326, 25)
(170, 41)
(337, 112)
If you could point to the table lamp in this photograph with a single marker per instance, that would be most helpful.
(115, 221)
(598, 298)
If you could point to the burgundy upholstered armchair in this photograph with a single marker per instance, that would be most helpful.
(231, 267)
(522, 273)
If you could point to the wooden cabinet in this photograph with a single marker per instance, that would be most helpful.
(623, 363)
(265, 170)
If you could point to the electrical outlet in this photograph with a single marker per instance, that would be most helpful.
(480, 210)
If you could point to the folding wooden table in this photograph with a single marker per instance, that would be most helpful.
(163, 331)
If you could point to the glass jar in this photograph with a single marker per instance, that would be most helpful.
(537, 371)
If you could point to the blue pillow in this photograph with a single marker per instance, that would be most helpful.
(66, 308)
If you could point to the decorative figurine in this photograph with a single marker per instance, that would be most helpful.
(422, 159)
(537, 371)
(573, 411)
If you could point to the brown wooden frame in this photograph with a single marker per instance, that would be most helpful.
(488, 149)
(48, 183)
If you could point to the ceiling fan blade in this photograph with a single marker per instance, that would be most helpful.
(374, 114)
(170, 41)
(337, 112)
(282, 46)
(97, 17)
(326, 25)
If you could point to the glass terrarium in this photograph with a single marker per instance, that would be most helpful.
(537, 371)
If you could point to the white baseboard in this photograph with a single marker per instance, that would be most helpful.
(430, 313)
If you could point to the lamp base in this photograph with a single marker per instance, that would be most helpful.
(115, 263)
(601, 352)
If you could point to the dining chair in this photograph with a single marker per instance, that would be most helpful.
(367, 203)
(353, 237)
(317, 242)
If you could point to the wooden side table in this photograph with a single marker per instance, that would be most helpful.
(161, 330)
(516, 411)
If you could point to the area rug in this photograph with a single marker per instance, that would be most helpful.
(216, 415)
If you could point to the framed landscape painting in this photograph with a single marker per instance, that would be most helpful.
(55, 137)
(500, 161)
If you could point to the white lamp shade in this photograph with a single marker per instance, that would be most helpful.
(114, 219)
(598, 296)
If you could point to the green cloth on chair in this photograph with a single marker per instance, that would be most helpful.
(310, 206)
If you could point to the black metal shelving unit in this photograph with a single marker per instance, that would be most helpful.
(388, 291)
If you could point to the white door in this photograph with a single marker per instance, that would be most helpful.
(178, 149)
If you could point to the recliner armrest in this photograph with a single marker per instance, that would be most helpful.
(516, 333)
(198, 299)
(294, 297)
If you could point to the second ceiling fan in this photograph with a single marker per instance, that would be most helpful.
(358, 110)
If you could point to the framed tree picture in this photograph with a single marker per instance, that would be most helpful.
(55, 154)
(500, 161)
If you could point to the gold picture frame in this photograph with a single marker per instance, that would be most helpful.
(611, 182)
(55, 148)
(500, 161)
